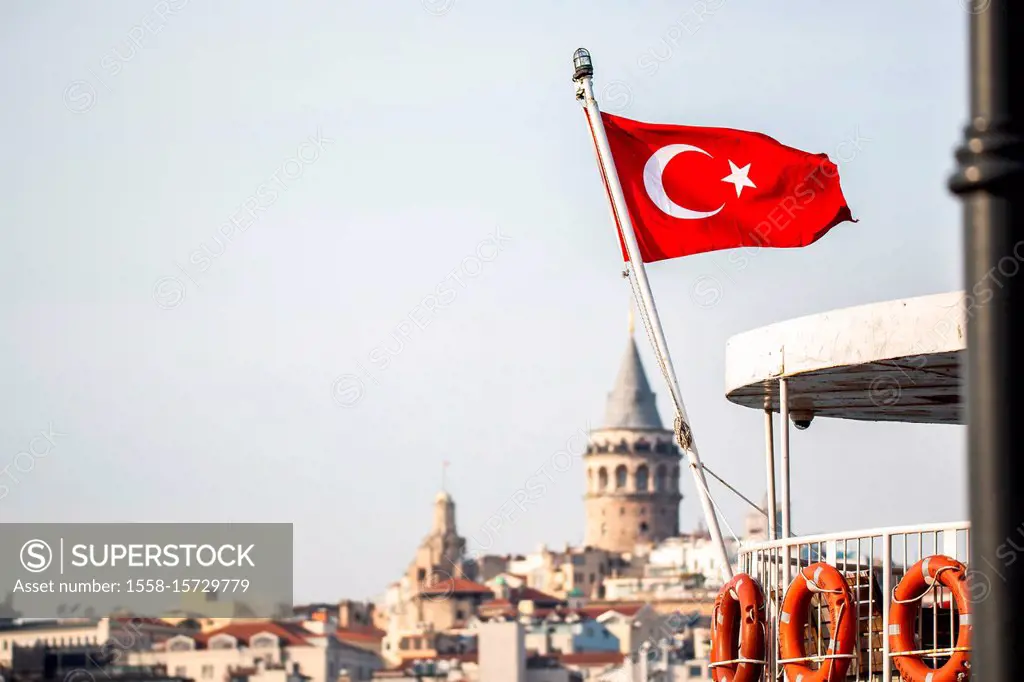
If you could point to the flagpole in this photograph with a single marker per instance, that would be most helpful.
(583, 77)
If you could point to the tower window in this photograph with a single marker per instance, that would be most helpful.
(643, 527)
(660, 482)
(642, 476)
(620, 477)
(622, 511)
(602, 479)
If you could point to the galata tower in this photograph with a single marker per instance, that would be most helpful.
(632, 466)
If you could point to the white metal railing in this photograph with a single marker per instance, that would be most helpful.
(873, 562)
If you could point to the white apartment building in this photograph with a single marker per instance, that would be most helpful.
(258, 648)
(120, 634)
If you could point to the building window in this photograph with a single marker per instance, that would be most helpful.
(421, 574)
(622, 511)
(660, 482)
(642, 474)
(180, 671)
(602, 479)
(643, 528)
(591, 578)
(620, 477)
(181, 643)
(207, 672)
(263, 641)
(222, 642)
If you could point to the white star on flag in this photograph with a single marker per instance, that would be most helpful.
(738, 177)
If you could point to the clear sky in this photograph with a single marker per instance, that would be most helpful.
(194, 379)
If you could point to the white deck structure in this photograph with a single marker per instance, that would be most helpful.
(892, 361)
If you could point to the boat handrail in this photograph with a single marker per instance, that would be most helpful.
(783, 543)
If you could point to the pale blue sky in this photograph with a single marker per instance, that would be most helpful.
(448, 121)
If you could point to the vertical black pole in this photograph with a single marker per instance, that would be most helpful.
(990, 180)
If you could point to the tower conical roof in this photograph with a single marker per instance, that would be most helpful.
(631, 403)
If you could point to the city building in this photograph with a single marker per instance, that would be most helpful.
(584, 610)
(632, 467)
(356, 622)
(502, 656)
(122, 633)
(756, 523)
(254, 647)
(574, 568)
(78, 663)
(686, 565)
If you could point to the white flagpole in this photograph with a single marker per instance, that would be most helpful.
(585, 91)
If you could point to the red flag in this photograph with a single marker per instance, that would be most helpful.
(692, 190)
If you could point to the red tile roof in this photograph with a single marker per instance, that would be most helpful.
(143, 621)
(530, 594)
(362, 633)
(625, 608)
(516, 595)
(592, 658)
(451, 586)
(289, 634)
(502, 607)
(470, 657)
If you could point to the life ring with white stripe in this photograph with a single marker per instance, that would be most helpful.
(819, 578)
(920, 579)
(738, 632)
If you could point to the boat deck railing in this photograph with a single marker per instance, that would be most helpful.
(873, 562)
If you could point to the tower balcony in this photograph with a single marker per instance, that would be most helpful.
(639, 446)
(627, 495)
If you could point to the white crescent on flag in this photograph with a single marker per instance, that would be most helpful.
(653, 170)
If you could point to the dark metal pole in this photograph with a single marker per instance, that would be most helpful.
(990, 180)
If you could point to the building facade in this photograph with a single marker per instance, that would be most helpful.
(262, 647)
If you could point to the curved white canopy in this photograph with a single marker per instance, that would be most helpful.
(893, 361)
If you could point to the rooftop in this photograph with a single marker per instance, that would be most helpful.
(631, 403)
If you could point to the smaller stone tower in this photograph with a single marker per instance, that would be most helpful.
(439, 557)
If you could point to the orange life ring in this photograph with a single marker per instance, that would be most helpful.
(826, 580)
(738, 615)
(903, 611)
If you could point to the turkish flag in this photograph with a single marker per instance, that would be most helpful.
(692, 190)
